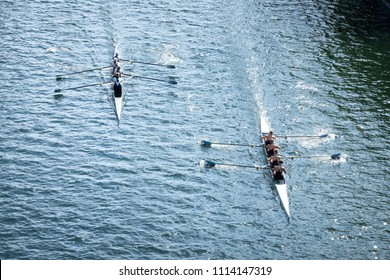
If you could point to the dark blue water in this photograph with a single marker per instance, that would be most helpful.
(76, 185)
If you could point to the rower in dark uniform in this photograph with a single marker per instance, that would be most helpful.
(117, 73)
(271, 148)
(277, 173)
(275, 160)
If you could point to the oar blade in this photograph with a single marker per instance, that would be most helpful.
(58, 90)
(171, 66)
(336, 156)
(172, 81)
(207, 163)
(58, 96)
(205, 143)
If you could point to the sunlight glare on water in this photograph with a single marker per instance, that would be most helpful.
(76, 185)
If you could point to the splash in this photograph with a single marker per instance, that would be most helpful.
(57, 49)
(306, 86)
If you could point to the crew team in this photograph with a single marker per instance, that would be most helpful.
(116, 67)
(274, 159)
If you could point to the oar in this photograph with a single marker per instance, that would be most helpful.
(72, 88)
(208, 144)
(304, 136)
(171, 81)
(211, 164)
(60, 77)
(334, 156)
(148, 63)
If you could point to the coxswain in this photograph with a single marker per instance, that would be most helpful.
(269, 138)
(278, 171)
(275, 160)
(271, 148)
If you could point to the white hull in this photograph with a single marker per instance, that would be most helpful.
(281, 188)
(118, 100)
(282, 192)
(118, 93)
(118, 106)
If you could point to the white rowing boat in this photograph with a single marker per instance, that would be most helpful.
(280, 185)
(118, 96)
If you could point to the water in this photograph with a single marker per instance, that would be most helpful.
(76, 185)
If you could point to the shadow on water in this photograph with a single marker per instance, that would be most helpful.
(361, 29)
(364, 17)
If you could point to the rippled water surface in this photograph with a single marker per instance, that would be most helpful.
(76, 185)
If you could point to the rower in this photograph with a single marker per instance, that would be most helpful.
(271, 148)
(115, 63)
(269, 138)
(275, 160)
(117, 72)
(277, 172)
(115, 60)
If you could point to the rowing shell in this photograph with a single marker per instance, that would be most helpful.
(118, 94)
(118, 97)
(280, 185)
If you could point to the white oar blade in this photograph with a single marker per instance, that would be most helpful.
(206, 163)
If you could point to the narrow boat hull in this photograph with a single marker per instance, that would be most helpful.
(118, 98)
(281, 188)
(118, 107)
